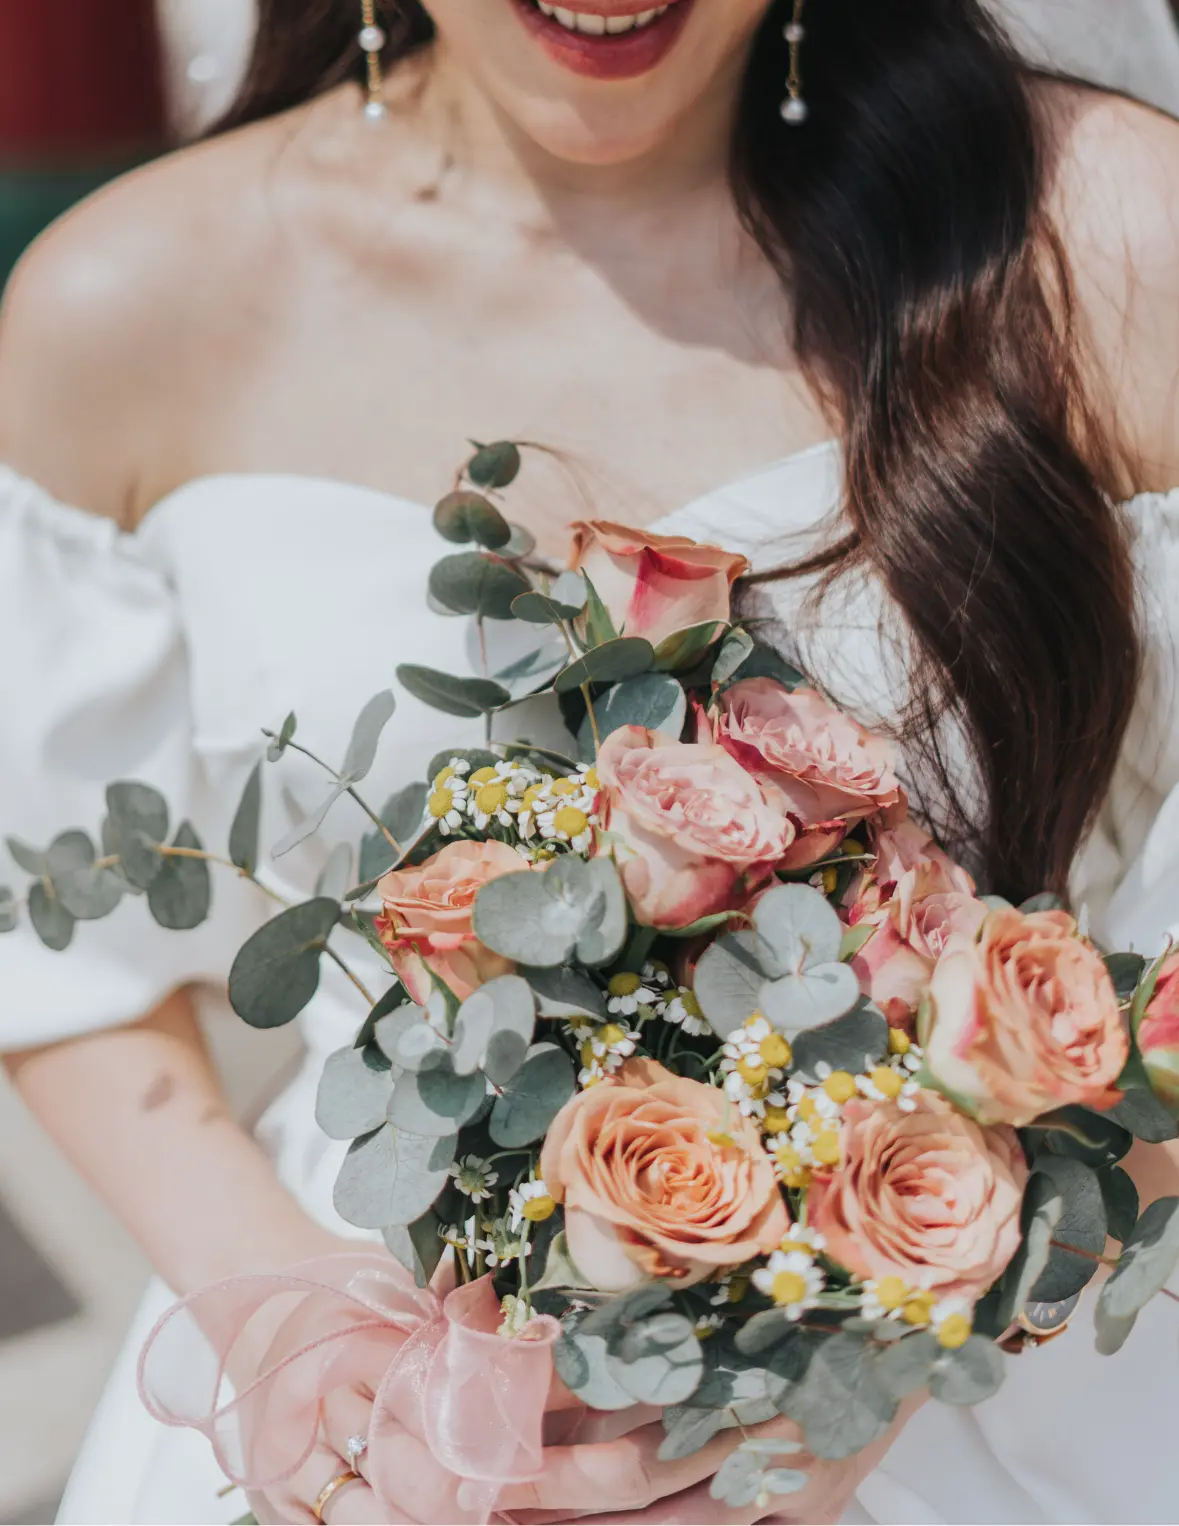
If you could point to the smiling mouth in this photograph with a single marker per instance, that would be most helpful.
(605, 39)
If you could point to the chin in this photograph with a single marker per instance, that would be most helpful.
(595, 138)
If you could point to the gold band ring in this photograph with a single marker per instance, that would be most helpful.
(329, 1492)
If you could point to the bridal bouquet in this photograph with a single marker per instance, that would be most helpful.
(726, 1095)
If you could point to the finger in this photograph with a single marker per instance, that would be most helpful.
(353, 1503)
(344, 1414)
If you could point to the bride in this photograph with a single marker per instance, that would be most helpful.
(939, 296)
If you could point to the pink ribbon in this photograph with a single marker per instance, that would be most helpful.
(439, 1370)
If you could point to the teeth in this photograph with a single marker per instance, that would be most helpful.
(591, 24)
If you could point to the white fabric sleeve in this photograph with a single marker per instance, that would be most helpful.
(94, 689)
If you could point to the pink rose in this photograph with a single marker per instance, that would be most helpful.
(830, 772)
(427, 924)
(648, 1191)
(1158, 1035)
(655, 585)
(906, 846)
(929, 904)
(928, 1196)
(689, 825)
(1023, 1019)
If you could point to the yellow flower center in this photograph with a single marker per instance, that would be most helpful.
(899, 1041)
(441, 803)
(752, 1021)
(890, 1293)
(791, 1169)
(484, 776)
(692, 1007)
(840, 1086)
(775, 1051)
(625, 984)
(565, 786)
(532, 796)
(752, 1072)
(829, 879)
(953, 1332)
(887, 1081)
(612, 1034)
(738, 1289)
(570, 821)
(789, 1245)
(537, 1209)
(592, 779)
(492, 797)
(721, 1139)
(444, 777)
(776, 1120)
(808, 1109)
(588, 1058)
(789, 1287)
(918, 1309)
(826, 1148)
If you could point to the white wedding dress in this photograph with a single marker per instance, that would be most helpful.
(160, 655)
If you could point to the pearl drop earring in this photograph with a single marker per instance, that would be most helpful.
(794, 109)
(372, 40)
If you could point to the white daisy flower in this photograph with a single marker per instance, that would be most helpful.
(792, 1280)
(448, 801)
(530, 1203)
(683, 1011)
(627, 994)
(517, 1316)
(603, 1050)
(474, 1177)
(754, 1065)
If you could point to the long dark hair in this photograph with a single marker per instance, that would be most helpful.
(932, 310)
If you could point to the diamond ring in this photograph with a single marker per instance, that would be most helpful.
(356, 1447)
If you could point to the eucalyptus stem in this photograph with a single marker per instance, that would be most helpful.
(349, 790)
(352, 976)
(213, 858)
(593, 720)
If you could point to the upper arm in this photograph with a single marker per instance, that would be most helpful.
(1115, 201)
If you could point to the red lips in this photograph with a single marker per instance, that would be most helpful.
(623, 55)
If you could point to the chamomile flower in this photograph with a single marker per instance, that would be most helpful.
(730, 1289)
(792, 1280)
(530, 1203)
(683, 1011)
(801, 1237)
(462, 1237)
(707, 1324)
(603, 1049)
(517, 1316)
(504, 1245)
(953, 1322)
(753, 1066)
(627, 993)
(793, 1166)
(883, 1298)
(448, 801)
(491, 797)
(889, 1083)
(474, 1177)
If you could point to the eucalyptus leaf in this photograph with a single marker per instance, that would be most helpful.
(653, 700)
(1082, 1224)
(812, 999)
(391, 1177)
(1045, 902)
(764, 662)
(464, 697)
(1078, 1132)
(418, 1246)
(543, 918)
(140, 856)
(312, 822)
(906, 1366)
(797, 930)
(247, 823)
(495, 466)
(475, 583)
(87, 892)
(842, 1403)
(1125, 971)
(738, 1480)
(280, 743)
(599, 627)
(534, 671)
(494, 1029)
(132, 806)
(612, 1319)
(728, 982)
(611, 663)
(564, 601)
(533, 1097)
(464, 517)
(51, 921)
(276, 973)
(854, 1042)
(736, 648)
(1043, 1205)
(687, 1430)
(660, 1361)
(435, 1102)
(684, 649)
(1148, 1261)
(408, 1040)
(1145, 1116)
(560, 1270)
(403, 815)
(764, 1331)
(580, 1362)
(29, 859)
(521, 545)
(1121, 1202)
(366, 736)
(565, 992)
(181, 894)
(969, 1375)
(353, 1095)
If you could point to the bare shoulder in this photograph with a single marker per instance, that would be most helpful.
(113, 311)
(1115, 201)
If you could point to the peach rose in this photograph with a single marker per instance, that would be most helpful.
(1158, 1035)
(687, 824)
(830, 772)
(1023, 1019)
(427, 924)
(927, 1196)
(655, 585)
(647, 1193)
(929, 904)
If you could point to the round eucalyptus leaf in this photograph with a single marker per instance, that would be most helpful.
(1082, 1224)
(403, 814)
(1147, 1263)
(533, 672)
(1125, 971)
(409, 1040)
(435, 1102)
(969, 1375)
(51, 921)
(495, 466)
(654, 700)
(9, 910)
(735, 650)
(764, 662)
(842, 1403)
(1145, 1116)
(464, 517)
(1078, 1132)
(86, 892)
(247, 824)
(763, 1332)
(181, 894)
(565, 992)
(132, 806)
(1043, 1205)
(391, 1177)
(564, 601)
(521, 545)
(854, 1042)
(728, 982)
(687, 1430)
(353, 1095)
(276, 973)
(542, 919)
(29, 859)
(280, 743)
(798, 928)
(603, 933)
(465, 697)
(739, 1480)
(817, 997)
(533, 1097)
(474, 583)
(611, 663)
(685, 649)
(494, 1029)
(580, 1362)
(659, 1362)
(905, 1366)
(1120, 1196)
(310, 823)
(140, 857)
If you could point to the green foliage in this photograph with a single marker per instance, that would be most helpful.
(654, 700)
(744, 1478)
(276, 973)
(353, 1095)
(1120, 1196)
(51, 921)
(465, 697)
(9, 911)
(1148, 1261)
(580, 1361)
(1082, 1224)
(534, 1096)
(658, 1361)
(686, 649)
(435, 1102)
(247, 823)
(611, 663)
(854, 1042)
(478, 584)
(544, 919)
(181, 894)
(280, 743)
(1146, 1117)
(842, 1403)
(86, 892)
(135, 828)
(687, 1429)
(564, 992)
(494, 466)
(418, 1246)
(403, 815)
(1043, 1206)
(494, 1028)
(464, 517)
(29, 859)
(391, 1177)
(1094, 1138)
(564, 601)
